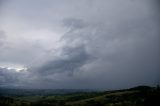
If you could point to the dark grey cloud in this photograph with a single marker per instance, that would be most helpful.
(2, 34)
(73, 23)
(74, 58)
(2, 38)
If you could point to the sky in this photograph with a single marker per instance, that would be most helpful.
(79, 44)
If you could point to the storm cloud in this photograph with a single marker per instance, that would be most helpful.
(91, 44)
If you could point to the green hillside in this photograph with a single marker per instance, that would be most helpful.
(138, 96)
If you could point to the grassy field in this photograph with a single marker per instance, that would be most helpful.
(138, 96)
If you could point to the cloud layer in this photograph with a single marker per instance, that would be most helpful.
(105, 44)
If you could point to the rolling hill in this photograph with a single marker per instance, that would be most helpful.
(137, 96)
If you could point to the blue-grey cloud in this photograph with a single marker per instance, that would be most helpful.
(8, 77)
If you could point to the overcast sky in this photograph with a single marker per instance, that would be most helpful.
(93, 44)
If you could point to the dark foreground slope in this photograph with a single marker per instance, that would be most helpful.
(138, 96)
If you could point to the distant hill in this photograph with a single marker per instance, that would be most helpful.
(44, 92)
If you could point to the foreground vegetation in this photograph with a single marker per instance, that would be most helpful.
(138, 96)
